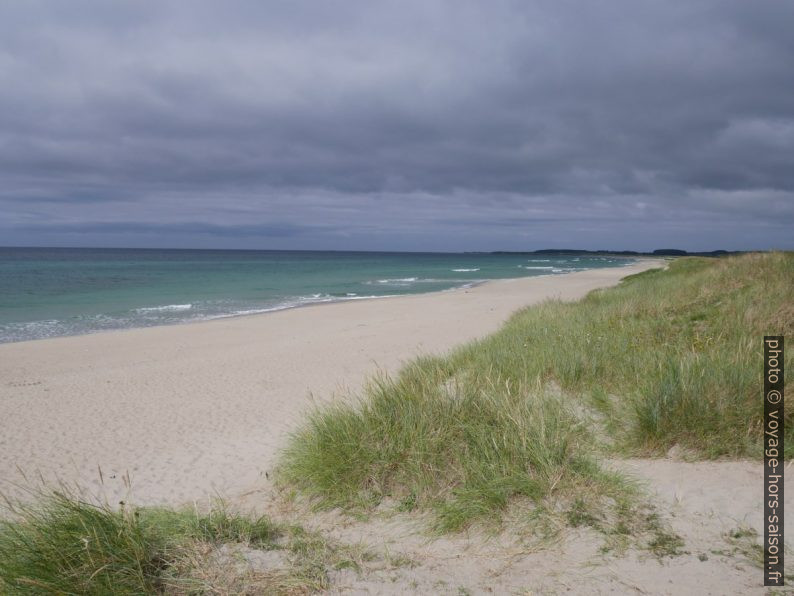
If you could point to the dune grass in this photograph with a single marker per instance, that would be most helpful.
(63, 545)
(464, 446)
(669, 357)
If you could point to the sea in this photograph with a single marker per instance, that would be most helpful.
(52, 292)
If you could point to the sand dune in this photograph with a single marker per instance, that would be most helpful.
(197, 409)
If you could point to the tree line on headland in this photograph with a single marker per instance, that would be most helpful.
(659, 252)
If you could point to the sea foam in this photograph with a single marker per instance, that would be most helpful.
(167, 307)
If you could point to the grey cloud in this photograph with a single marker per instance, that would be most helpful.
(198, 228)
(398, 124)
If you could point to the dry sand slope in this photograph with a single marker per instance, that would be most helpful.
(714, 506)
(203, 408)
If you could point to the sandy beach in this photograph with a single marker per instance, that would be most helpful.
(199, 409)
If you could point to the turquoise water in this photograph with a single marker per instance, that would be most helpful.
(48, 292)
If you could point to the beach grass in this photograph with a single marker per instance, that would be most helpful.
(64, 545)
(465, 445)
(670, 357)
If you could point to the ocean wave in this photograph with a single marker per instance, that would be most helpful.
(535, 267)
(369, 297)
(465, 270)
(293, 303)
(166, 308)
(31, 330)
(437, 280)
(45, 329)
(538, 260)
(399, 281)
(410, 281)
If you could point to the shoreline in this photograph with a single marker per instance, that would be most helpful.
(323, 302)
(333, 300)
(202, 408)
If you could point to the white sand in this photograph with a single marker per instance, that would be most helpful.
(202, 408)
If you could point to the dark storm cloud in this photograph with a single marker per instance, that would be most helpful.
(436, 125)
(199, 228)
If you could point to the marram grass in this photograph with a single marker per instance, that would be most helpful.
(64, 545)
(464, 446)
(668, 358)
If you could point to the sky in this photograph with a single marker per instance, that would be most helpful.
(407, 125)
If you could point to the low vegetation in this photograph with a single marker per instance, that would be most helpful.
(464, 446)
(668, 358)
(63, 545)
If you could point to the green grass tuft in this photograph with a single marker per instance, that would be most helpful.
(62, 545)
(218, 526)
(463, 448)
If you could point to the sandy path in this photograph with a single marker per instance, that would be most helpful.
(195, 409)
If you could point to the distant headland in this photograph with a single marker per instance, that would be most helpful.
(659, 252)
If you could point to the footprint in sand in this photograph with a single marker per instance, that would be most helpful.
(24, 383)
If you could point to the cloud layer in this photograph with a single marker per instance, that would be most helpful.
(408, 125)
